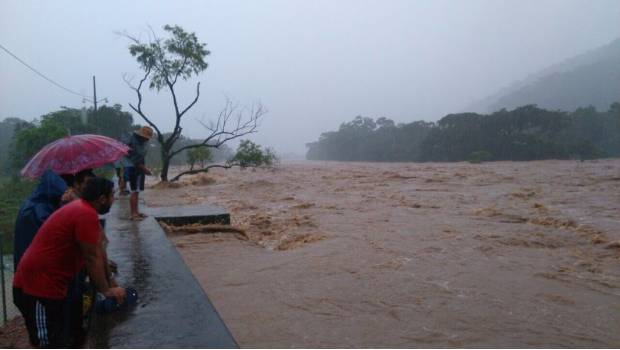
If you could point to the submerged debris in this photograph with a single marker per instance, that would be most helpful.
(201, 228)
(296, 241)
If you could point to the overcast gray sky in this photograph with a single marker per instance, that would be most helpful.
(313, 64)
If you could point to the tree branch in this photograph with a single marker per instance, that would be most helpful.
(220, 133)
(180, 70)
(128, 36)
(177, 127)
(138, 109)
(193, 102)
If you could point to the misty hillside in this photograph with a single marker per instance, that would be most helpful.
(592, 78)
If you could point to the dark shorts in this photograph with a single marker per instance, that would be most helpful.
(73, 312)
(135, 178)
(118, 174)
(43, 317)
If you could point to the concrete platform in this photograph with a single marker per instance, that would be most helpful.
(173, 310)
(190, 214)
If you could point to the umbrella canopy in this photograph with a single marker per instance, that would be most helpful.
(71, 154)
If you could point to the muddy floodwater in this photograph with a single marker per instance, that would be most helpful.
(329, 254)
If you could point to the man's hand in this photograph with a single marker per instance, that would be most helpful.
(116, 292)
(144, 169)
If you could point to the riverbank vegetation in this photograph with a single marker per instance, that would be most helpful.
(525, 133)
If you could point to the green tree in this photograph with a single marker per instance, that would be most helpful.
(164, 62)
(250, 154)
(525, 133)
(30, 138)
(198, 155)
(7, 130)
(111, 121)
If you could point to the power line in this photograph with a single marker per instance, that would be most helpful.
(42, 75)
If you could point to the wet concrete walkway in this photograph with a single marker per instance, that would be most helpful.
(173, 310)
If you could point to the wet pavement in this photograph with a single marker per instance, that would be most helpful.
(173, 311)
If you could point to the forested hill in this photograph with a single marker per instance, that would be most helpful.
(525, 133)
(592, 78)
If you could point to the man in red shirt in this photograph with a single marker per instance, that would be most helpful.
(68, 240)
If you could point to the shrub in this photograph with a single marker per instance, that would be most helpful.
(250, 154)
(479, 157)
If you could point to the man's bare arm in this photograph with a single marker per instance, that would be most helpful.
(96, 266)
(108, 265)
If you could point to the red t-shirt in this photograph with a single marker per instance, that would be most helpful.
(54, 257)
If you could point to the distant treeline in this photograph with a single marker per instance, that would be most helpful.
(20, 139)
(525, 133)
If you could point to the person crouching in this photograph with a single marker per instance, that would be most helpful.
(68, 240)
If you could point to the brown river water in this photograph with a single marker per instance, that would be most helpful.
(505, 254)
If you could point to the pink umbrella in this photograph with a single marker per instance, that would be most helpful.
(71, 154)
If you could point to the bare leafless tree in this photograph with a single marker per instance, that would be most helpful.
(232, 123)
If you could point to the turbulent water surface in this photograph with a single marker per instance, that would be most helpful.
(507, 254)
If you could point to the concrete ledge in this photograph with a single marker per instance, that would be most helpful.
(173, 310)
(183, 215)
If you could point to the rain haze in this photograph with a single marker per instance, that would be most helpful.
(440, 174)
(313, 64)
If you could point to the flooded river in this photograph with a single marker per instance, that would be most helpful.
(506, 254)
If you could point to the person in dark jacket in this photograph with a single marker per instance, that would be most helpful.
(43, 201)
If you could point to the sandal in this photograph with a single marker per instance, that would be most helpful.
(143, 215)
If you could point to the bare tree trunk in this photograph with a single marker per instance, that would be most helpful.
(165, 165)
(203, 170)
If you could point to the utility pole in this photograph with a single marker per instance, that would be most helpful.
(94, 96)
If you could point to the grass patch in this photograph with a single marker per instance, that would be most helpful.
(12, 192)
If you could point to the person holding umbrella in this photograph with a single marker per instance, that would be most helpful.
(137, 170)
(72, 157)
(72, 154)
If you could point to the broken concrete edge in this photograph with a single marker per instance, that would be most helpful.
(223, 219)
(150, 262)
(191, 214)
